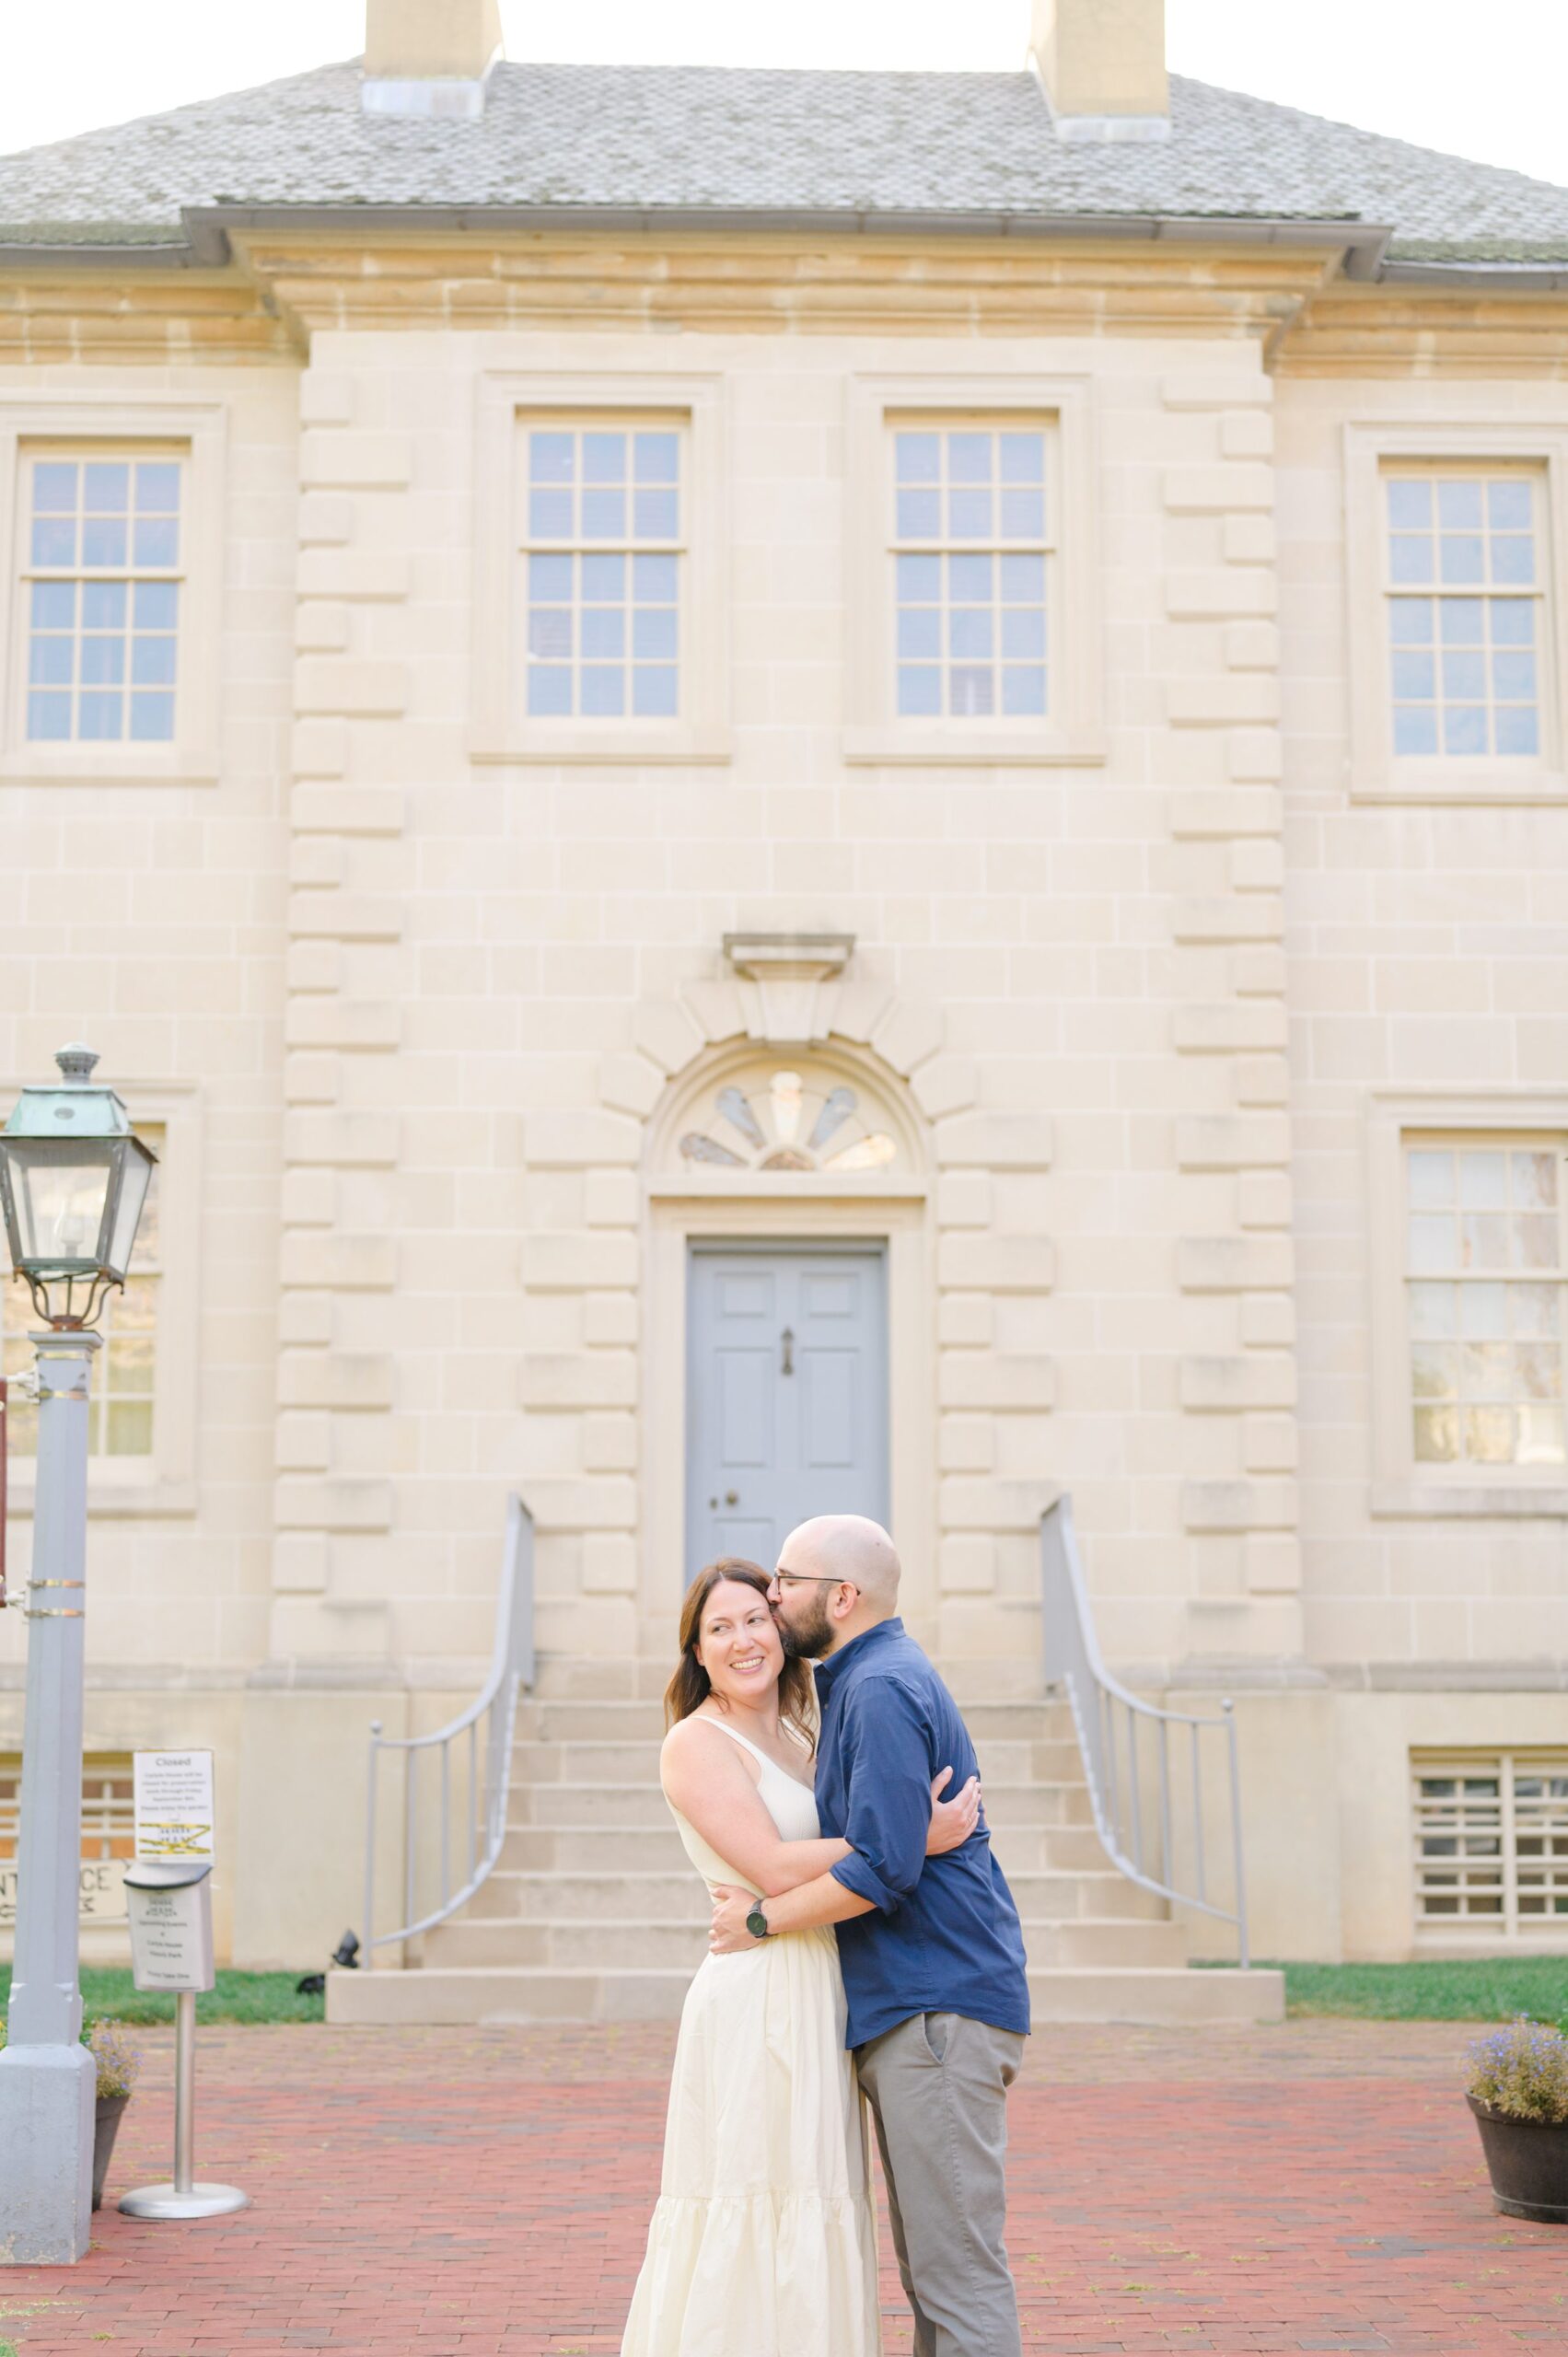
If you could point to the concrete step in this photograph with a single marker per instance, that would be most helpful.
(550, 1802)
(597, 1944)
(619, 1720)
(593, 1849)
(601, 1945)
(620, 1805)
(653, 1849)
(1043, 1849)
(671, 1941)
(1009, 1808)
(606, 1759)
(679, 1896)
(458, 1995)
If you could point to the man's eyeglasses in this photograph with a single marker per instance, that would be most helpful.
(808, 1579)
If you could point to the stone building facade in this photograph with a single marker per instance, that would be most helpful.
(965, 673)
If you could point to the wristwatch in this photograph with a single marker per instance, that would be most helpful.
(756, 1922)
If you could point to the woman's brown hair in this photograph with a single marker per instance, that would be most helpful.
(691, 1685)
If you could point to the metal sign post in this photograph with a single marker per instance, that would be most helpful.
(169, 1899)
(171, 1947)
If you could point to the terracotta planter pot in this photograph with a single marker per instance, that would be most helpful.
(107, 2128)
(1528, 2162)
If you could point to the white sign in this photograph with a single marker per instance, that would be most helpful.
(174, 1805)
(171, 1937)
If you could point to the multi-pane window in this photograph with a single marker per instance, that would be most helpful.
(122, 1400)
(972, 548)
(1465, 586)
(602, 556)
(1484, 1288)
(1491, 1841)
(101, 584)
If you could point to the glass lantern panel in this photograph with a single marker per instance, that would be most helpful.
(61, 1194)
(135, 1172)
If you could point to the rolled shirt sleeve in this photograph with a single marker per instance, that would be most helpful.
(888, 1741)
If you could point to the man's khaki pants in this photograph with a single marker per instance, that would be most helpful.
(937, 2087)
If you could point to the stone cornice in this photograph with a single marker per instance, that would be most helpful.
(277, 290)
(149, 318)
(1392, 330)
(778, 284)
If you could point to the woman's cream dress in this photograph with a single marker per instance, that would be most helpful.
(764, 2240)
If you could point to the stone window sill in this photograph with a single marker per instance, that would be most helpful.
(636, 746)
(1469, 1501)
(1479, 786)
(973, 748)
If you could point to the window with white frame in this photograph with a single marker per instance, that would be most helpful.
(1465, 594)
(603, 557)
(1491, 1840)
(102, 581)
(971, 553)
(122, 1401)
(1485, 1281)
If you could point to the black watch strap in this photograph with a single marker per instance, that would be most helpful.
(756, 1922)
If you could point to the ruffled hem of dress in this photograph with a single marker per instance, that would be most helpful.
(793, 2273)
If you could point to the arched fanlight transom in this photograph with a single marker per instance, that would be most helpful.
(790, 1121)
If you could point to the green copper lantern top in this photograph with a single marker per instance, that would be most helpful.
(75, 1106)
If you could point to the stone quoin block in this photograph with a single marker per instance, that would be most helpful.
(333, 459)
(1239, 1506)
(572, 1262)
(1231, 1383)
(995, 1264)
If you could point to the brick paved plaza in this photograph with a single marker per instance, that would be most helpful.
(461, 2193)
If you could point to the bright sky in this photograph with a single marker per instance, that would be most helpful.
(1482, 80)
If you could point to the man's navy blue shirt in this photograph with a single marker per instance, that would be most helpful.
(944, 1937)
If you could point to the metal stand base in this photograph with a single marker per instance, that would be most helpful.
(166, 2201)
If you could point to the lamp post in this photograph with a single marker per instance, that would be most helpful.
(73, 1181)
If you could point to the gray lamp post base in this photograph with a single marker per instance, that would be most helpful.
(167, 2201)
(47, 2100)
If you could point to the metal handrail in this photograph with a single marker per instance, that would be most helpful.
(483, 1824)
(1107, 1717)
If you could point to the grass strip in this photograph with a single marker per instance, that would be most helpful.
(1433, 1988)
(239, 1997)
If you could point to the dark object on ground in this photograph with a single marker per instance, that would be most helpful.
(106, 2128)
(1528, 2162)
(345, 1956)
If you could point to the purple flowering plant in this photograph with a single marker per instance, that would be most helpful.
(1522, 2071)
(119, 2062)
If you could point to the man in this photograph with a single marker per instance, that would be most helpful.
(932, 1953)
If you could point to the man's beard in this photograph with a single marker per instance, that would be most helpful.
(812, 1640)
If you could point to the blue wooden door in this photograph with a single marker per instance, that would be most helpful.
(786, 1394)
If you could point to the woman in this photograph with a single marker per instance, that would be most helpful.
(764, 2240)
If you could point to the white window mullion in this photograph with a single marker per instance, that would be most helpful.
(1510, 1844)
(1463, 568)
(603, 555)
(969, 569)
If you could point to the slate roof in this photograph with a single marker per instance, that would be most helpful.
(862, 149)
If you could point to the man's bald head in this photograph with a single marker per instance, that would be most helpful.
(846, 1547)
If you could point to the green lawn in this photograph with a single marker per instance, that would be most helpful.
(239, 1997)
(1484, 1988)
(1487, 1989)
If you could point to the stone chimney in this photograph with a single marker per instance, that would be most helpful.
(1101, 63)
(429, 56)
